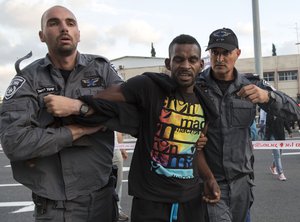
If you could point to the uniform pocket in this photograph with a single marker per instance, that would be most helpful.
(242, 113)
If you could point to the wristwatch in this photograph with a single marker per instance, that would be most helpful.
(84, 109)
(272, 97)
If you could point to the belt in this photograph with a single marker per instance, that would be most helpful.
(42, 202)
(237, 177)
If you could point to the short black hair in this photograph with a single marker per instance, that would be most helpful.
(184, 39)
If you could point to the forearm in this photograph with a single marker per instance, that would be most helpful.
(113, 93)
(203, 168)
(211, 192)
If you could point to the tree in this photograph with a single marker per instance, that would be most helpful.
(274, 50)
(153, 53)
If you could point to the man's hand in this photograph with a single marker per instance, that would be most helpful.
(124, 154)
(212, 192)
(79, 130)
(61, 106)
(254, 94)
(201, 142)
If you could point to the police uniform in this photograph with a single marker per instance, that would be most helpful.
(43, 156)
(229, 148)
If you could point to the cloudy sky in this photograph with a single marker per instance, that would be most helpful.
(116, 28)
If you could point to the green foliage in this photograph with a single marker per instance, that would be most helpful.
(153, 53)
(274, 50)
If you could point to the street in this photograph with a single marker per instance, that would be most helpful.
(275, 201)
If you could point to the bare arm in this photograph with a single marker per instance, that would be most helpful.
(202, 140)
(119, 137)
(212, 191)
(113, 93)
(120, 140)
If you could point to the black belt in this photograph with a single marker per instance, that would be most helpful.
(239, 176)
(41, 204)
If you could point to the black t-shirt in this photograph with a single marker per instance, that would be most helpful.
(163, 166)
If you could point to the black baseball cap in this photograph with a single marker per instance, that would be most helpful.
(223, 38)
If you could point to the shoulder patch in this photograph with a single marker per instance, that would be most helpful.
(116, 71)
(15, 84)
(265, 83)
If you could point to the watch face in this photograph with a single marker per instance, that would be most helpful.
(84, 109)
(272, 95)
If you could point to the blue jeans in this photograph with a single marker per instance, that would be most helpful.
(248, 218)
(277, 159)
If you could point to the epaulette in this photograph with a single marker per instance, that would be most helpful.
(251, 76)
(97, 57)
(91, 57)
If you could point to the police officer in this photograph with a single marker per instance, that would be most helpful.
(229, 150)
(66, 166)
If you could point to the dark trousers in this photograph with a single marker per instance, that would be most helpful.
(236, 199)
(150, 211)
(98, 206)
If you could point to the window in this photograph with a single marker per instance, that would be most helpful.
(288, 75)
(269, 76)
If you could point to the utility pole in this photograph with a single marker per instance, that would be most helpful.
(297, 43)
(257, 39)
(298, 60)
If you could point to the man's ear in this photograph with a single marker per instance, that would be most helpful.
(239, 51)
(41, 35)
(201, 64)
(79, 36)
(167, 64)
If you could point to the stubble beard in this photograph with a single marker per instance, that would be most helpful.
(66, 50)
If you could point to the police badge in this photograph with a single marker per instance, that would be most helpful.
(15, 84)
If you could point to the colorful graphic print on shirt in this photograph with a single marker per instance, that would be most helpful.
(179, 128)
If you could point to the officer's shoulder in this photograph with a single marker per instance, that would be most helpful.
(251, 76)
(31, 69)
(90, 57)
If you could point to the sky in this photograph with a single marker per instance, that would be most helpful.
(117, 28)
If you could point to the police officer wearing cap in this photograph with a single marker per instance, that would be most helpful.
(229, 148)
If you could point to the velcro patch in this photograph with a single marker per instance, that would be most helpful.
(49, 89)
(15, 84)
(91, 82)
(116, 71)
